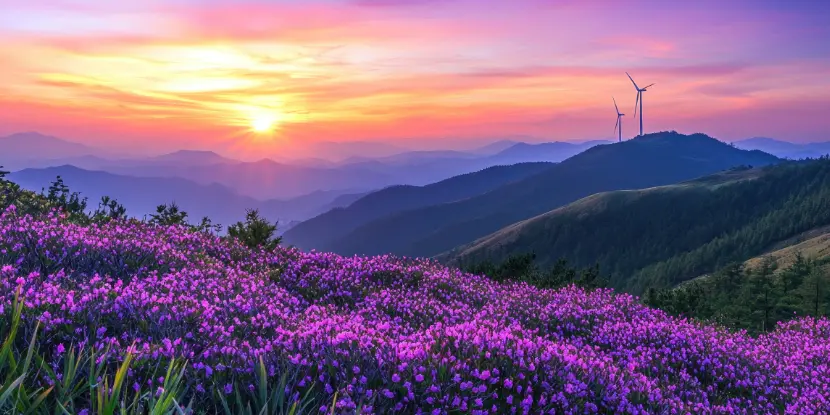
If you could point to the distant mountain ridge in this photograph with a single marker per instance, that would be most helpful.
(785, 149)
(17, 149)
(193, 157)
(141, 195)
(268, 179)
(651, 160)
(322, 231)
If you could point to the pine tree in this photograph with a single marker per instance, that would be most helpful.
(814, 293)
(761, 295)
(255, 231)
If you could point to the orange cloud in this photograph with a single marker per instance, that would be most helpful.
(200, 73)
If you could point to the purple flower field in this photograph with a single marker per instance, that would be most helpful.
(388, 334)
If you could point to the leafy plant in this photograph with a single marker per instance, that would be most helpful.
(169, 215)
(255, 231)
(109, 209)
(70, 202)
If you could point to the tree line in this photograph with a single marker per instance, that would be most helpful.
(751, 298)
(254, 232)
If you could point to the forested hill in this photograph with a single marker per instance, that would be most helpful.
(663, 236)
(646, 161)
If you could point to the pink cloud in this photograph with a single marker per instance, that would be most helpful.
(409, 68)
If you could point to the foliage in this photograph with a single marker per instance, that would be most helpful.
(80, 383)
(523, 268)
(109, 209)
(286, 331)
(255, 231)
(169, 215)
(752, 299)
(70, 202)
(120, 316)
(206, 225)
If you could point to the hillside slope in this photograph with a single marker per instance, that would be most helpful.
(650, 160)
(319, 232)
(320, 330)
(662, 236)
(814, 244)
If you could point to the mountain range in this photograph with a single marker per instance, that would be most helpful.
(141, 195)
(587, 208)
(785, 149)
(328, 227)
(269, 179)
(646, 161)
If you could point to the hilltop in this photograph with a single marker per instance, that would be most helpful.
(647, 161)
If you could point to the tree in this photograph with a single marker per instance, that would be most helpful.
(814, 293)
(591, 278)
(522, 268)
(60, 196)
(109, 209)
(207, 226)
(3, 174)
(255, 231)
(761, 294)
(169, 215)
(794, 275)
(791, 301)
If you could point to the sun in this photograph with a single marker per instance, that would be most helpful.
(263, 123)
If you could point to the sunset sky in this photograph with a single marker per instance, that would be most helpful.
(159, 75)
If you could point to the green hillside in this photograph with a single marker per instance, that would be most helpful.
(756, 295)
(814, 244)
(662, 236)
(647, 161)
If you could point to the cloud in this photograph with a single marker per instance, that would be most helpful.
(399, 68)
(399, 3)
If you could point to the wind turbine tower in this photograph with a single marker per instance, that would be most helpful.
(639, 100)
(618, 125)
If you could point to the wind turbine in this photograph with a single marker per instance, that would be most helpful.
(618, 125)
(639, 100)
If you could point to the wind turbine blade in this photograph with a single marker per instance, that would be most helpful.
(615, 105)
(632, 81)
(647, 86)
(636, 103)
(616, 124)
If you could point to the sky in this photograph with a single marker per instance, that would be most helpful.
(155, 75)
